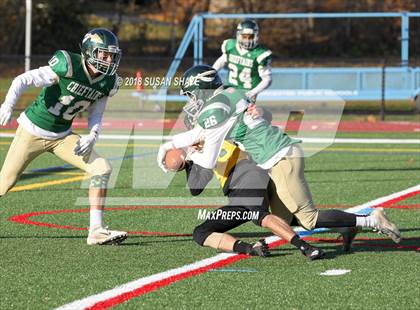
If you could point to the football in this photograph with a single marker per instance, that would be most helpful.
(175, 160)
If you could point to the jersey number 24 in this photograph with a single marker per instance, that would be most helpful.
(244, 76)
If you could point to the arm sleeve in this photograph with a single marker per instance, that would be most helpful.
(96, 112)
(266, 79)
(40, 77)
(213, 141)
(187, 138)
(197, 178)
(220, 62)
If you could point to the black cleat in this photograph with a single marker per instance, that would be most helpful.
(348, 234)
(260, 248)
(312, 252)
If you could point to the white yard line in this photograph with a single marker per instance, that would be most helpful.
(307, 140)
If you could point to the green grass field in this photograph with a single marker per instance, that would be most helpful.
(44, 267)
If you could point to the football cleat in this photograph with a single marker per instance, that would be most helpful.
(347, 234)
(260, 248)
(102, 236)
(312, 252)
(385, 226)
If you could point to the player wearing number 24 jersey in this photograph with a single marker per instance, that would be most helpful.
(71, 83)
(248, 62)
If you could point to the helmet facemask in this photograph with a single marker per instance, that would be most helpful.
(100, 49)
(199, 84)
(247, 29)
(101, 65)
(193, 106)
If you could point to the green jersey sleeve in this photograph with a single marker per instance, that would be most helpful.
(214, 114)
(265, 58)
(61, 64)
(228, 45)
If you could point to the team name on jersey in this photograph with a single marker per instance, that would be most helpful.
(84, 91)
(240, 60)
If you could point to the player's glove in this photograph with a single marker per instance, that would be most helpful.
(85, 144)
(251, 97)
(5, 114)
(165, 147)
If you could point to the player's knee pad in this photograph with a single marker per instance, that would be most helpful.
(200, 234)
(99, 181)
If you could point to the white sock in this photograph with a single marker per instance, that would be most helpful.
(366, 221)
(96, 217)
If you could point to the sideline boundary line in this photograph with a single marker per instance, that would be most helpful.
(307, 140)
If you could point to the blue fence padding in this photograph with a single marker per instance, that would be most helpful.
(355, 83)
(401, 83)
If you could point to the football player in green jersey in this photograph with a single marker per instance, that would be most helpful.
(71, 83)
(220, 113)
(249, 63)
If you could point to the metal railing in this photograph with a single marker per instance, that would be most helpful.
(352, 83)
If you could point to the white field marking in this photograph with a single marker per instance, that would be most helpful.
(335, 272)
(307, 140)
(136, 284)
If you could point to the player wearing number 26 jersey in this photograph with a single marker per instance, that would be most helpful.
(249, 63)
(219, 114)
(71, 83)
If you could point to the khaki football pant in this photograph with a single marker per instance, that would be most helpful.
(289, 193)
(26, 147)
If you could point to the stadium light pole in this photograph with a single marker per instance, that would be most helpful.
(28, 35)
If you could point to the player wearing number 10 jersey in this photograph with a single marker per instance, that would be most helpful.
(249, 63)
(71, 83)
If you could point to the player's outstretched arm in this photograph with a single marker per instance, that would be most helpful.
(220, 62)
(178, 141)
(266, 79)
(40, 77)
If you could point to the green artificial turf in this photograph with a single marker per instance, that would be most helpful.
(43, 267)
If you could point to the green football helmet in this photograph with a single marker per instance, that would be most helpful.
(101, 41)
(248, 27)
(198, 84)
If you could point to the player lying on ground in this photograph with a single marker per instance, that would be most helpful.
(248, 62)
(245, 185)
(71, 84)
(220, 114)
(230, 155)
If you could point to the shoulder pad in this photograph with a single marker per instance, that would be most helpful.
(61, 64)
(214, 114)
(264, 56)
(228, 45)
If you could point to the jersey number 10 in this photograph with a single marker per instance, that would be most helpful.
(71, 108)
